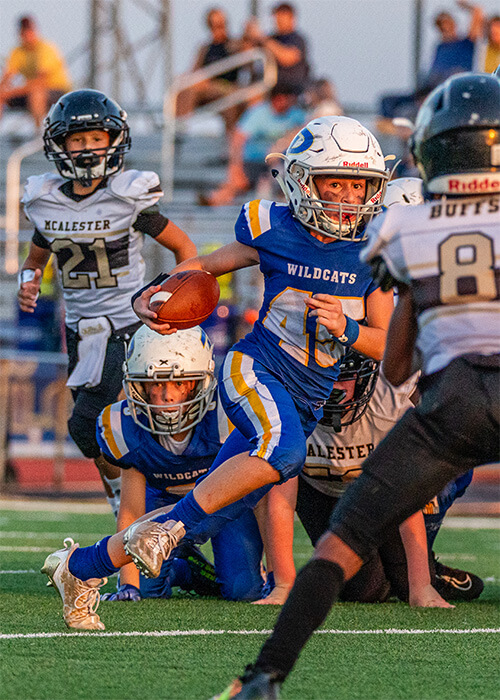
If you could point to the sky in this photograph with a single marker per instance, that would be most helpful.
(365, 47)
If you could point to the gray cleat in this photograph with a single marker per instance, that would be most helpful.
(150, 543)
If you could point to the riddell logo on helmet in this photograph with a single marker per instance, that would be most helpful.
(486, 184)
(358, 164)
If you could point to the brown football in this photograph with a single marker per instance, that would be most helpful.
(186, 298)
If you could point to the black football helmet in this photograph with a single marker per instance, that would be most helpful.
(351, 392)
(86, 110)
(456, 142)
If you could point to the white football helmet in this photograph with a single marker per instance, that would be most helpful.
(153, 358)
(405, 191)
(338, 147)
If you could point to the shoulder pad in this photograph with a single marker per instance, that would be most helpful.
(110, 433)
(379, 233)
(138, 185)
(258, 216)
(40, 185)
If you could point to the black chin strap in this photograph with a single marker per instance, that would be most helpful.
(87, 160)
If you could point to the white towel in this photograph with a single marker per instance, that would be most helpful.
(94, 334)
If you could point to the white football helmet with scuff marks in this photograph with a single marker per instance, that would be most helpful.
(337, 147)
(406, 191)
(153, 358)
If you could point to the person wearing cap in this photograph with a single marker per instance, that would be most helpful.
(42, 68)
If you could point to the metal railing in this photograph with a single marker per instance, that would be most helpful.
(12, 196)
(239, 96)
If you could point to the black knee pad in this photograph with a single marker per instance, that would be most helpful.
(82, 430)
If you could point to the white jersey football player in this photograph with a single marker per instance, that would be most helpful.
(92, 215)
(443, 256)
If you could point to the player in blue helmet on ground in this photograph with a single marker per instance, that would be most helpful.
(163, 437)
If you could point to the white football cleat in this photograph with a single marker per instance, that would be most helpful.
(80, 598)
(150, 543)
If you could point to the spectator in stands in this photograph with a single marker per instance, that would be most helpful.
(259, 128)
(220, 46)
(489, 53)
(41, 66)
(453, 54)
(288, 47)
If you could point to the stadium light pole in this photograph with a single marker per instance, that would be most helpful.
(254, 8)
(418, 8)
(93, 43)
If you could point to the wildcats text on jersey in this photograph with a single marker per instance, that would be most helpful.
(181, 476)
(318, 273)
(296, 266)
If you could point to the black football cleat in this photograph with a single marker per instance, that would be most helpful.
(455, 584)
(254, 684)
(203, 577)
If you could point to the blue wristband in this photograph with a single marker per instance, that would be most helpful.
(350, 334)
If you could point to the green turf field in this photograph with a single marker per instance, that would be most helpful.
(188, 649)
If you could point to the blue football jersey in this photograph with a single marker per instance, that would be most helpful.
(120, 437)
(286, 338)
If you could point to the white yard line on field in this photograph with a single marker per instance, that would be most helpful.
(20, 571)
(206, 633)
(27, 535)
(6, 548)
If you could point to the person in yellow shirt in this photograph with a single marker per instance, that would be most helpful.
(41, 66)
(491, 50)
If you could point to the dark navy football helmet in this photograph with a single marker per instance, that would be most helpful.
(86, 110)
(456, 142)
(352, 391)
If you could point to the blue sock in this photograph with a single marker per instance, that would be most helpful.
(187, 511)
(180, 574)
(92, 562)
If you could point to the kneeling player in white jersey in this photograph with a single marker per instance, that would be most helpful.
(362, 409)
(443, 256)
(93, 216)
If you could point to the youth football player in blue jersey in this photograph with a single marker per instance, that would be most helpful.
(163, 437)
(319, 300)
